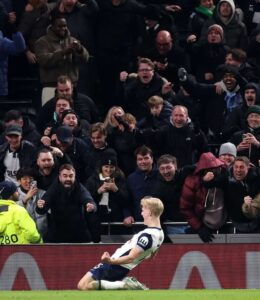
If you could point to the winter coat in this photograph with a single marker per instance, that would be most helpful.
(8, 47)
(53, 63)
(68, 212)
(193, 195)
(26, 154)
(117, 201)
(235, 32)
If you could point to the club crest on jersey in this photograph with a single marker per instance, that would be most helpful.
(143, 241)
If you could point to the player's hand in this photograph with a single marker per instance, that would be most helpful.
(105, 258)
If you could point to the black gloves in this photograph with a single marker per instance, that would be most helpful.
(205, 234)
(182, 74)
(122, 122)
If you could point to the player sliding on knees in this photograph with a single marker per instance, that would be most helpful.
(111, 273)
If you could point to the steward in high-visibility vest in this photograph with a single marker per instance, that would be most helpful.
(16, 225)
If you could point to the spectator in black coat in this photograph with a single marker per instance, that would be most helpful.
(168, 188)
(98, 147)
(15, 153)
(70, 203)
(108, 189)
(248, 140)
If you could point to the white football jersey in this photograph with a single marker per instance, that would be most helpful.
(149, 240)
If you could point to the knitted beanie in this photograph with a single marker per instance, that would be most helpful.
(254, 109)
(218, 28)
(228, 148)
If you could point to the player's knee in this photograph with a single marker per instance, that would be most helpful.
(81, 286)
(84, 286)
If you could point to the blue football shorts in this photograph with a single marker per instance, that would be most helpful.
(108, 272)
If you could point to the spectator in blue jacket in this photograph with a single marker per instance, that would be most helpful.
(8, 47)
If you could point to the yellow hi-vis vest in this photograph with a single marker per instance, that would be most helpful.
(16, 225)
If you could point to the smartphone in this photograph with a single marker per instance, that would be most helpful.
(244, 136)
(33, 184)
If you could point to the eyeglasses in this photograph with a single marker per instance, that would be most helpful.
(145, 70)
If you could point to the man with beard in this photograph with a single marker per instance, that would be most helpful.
(46, 168)
(69, 202)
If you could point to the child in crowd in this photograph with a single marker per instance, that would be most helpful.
(160, 113)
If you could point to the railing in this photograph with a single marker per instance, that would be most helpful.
(220, 238)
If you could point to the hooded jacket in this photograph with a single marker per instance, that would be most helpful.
(193, 194)
(236, 121)
(235, 31)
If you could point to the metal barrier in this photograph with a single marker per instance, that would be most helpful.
(231, 237)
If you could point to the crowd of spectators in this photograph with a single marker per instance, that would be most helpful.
(135, 98)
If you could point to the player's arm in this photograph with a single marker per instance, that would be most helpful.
(129, 258)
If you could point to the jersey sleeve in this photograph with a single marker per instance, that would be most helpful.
(145, 241)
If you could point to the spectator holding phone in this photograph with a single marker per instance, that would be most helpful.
(248, 140)
(29, 194)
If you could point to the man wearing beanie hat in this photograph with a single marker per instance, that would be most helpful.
(212, 50)
(22, 229)
(248, 140)
(218, 30)
(225, 15)
(227, 153)
(254, 109)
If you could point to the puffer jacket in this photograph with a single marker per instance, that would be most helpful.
(193, 194)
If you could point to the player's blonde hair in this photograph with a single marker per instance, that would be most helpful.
(154, 204)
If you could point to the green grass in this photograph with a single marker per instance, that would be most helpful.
(133, 295)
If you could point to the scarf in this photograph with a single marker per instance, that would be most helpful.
(105, 196)
(233, 99)
(205, 11)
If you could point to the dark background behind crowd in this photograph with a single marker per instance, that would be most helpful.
(104, 102)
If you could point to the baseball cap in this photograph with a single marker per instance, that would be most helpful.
(64, 134)
(7, 189)
(13, 129)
